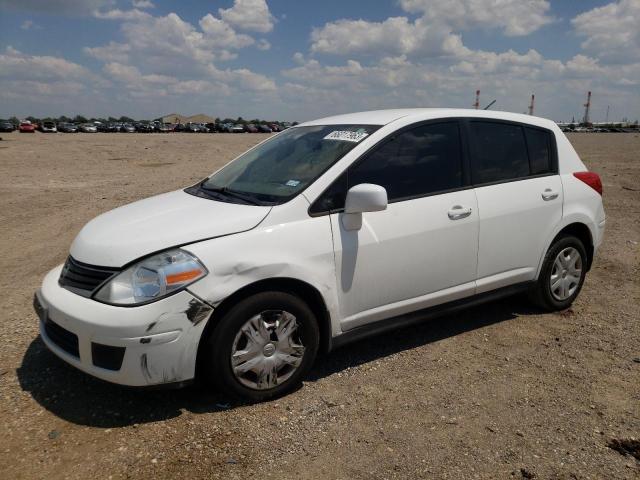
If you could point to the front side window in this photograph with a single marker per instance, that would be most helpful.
(280, 168)
(420, 161)
(417, 162)
(500, 152)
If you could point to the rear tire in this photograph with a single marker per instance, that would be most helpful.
(263, 346)
(562, 274)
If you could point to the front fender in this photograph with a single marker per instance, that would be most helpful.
(300, 250)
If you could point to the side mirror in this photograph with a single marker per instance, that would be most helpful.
(365, 197)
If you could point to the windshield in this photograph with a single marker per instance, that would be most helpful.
(286, 164)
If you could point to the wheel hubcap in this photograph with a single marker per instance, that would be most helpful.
(267, 350)
(566, 273)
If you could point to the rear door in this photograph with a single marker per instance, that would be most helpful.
(519, 192)
(421, 250)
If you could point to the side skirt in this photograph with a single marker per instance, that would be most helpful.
(419, 316)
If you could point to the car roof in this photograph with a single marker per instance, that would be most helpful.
(384, 117)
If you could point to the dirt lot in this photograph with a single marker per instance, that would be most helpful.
(500, 391)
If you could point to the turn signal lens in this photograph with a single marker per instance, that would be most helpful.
(183, 277)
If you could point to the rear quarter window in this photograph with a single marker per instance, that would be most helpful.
(539, 145)
(500, 152)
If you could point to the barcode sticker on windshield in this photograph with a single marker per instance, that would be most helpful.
(346, 136)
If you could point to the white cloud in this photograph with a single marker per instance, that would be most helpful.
(142, 4)
(30, 25)
(252, 15)
(17, 65)
(263, 44)
(515, 17)
(112, 52)
(612, 32)
(434, 33)
(395, 35)
(117, 14)
(33, 79)
(167, 56)
(219, 33)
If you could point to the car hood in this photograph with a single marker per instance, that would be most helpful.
(127, 233)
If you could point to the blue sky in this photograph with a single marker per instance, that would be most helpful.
(297, 60)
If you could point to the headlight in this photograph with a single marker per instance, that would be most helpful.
(152, 278)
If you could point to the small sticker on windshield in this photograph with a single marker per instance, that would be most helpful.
(346, 136)
(292, 183)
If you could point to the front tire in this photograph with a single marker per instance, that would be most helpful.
(263, 346)
(562, 274)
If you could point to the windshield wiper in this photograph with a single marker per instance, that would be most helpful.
(231, 193)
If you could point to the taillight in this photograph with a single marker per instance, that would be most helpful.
(591, 179)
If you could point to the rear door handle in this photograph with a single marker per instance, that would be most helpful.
(459, 211)
(549, 194)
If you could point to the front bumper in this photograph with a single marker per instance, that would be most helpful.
(145, 345)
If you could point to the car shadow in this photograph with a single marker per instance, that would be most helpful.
(84, 400)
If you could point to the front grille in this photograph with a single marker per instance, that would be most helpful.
(83, 279)
(106, 356)
(66, 340)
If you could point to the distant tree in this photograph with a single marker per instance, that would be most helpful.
(14, 120)
(294, 123)
(63, 119)
(80, 119)
(126, 119)
(33, 119)
(113, 119)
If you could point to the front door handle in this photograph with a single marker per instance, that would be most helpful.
(549, 194)
(459, 211)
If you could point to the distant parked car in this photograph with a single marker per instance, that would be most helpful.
(164, 128)
(108, 128)
(7, 127)
(212, 127)
(225, 127)
(264, 129)
(275, 127)
(127, 128)
(67, 127)
(237, 128)
(27, 127)
(87, 128)
(192, 128)
(48, 127)
(144, 127)
(250, 128)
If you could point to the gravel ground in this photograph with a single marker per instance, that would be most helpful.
(499, 391)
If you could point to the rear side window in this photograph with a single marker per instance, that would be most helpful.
(417, 162)
(500, 152)
(539, 143)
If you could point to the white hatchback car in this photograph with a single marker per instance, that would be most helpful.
(322, 234)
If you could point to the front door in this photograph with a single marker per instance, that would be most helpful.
(421, 250)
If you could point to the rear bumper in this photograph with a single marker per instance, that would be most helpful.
(137, 346)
